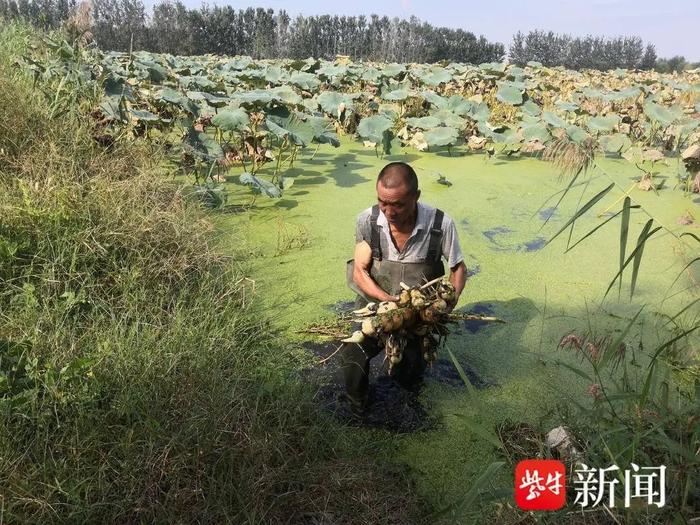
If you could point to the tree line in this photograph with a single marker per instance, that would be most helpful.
(172, 27)
(590, 52)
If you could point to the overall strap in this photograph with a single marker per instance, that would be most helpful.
(375, 243)
(435, 243)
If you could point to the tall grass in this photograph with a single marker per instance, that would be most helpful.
(137, 383)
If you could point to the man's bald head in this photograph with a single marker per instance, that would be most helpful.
(397, 174)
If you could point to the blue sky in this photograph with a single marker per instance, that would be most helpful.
(672, 25)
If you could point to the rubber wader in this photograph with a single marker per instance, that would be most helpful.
(388, 275)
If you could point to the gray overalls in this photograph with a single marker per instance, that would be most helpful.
(388, 275)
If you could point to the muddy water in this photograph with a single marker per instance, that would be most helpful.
(505, 212)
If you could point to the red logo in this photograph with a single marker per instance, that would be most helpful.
(540, 484)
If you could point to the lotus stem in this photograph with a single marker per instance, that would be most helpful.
(315, 151)
(430, 283)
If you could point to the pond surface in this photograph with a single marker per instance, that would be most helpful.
(505, 213)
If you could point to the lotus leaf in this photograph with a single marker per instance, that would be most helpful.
(261, 186)
(275, 74)
(374, 128)
(239, 63)
(423, 122)
(234, 119)
(393, 70)
(323, 131)
(662, 115)
(530, 108)
(616, 143)
(216, 101)
(566, 106)
(510, 94)
(536, 132)
(447, 118)
(113, 108)
(330, 70)
(303, 80)
(287, 95)
(576, 134)
(434, 99)
(603, 124)
(371, 75)
(146, 116)
(493, 67)
(444, 136)
(553, 119)
(255, 98)
(480, 111)
(396, 95)
(330, 102)
(283, 123)
(436, 76)
(508, 136)
(203, 145)
(156, 72)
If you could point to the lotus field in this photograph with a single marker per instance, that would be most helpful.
(224, 115)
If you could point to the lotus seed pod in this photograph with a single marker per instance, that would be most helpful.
(368, 327)
(356, 337)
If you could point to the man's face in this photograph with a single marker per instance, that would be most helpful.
(397, 204)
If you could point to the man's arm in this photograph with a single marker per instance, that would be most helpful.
(458, 278)
(361, 276)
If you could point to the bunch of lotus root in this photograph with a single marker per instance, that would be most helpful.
(420, 311)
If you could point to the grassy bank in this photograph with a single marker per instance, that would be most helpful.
(138, 382)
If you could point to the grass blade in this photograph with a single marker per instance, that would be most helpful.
(610, 350)
(473, 492)
(631, 256)
(575, 370)
(565, 191)
(624, 230)
(691, 235)
(599, 227)
(460, 370)
(641, 241)
(581, 211)
(682, 311)
(482, 431)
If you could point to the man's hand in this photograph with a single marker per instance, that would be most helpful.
(458, 278)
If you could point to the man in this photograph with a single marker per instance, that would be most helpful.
(397, 240)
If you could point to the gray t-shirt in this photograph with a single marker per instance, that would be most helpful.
(416, 247)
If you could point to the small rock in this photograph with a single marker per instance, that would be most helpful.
(561, 440)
